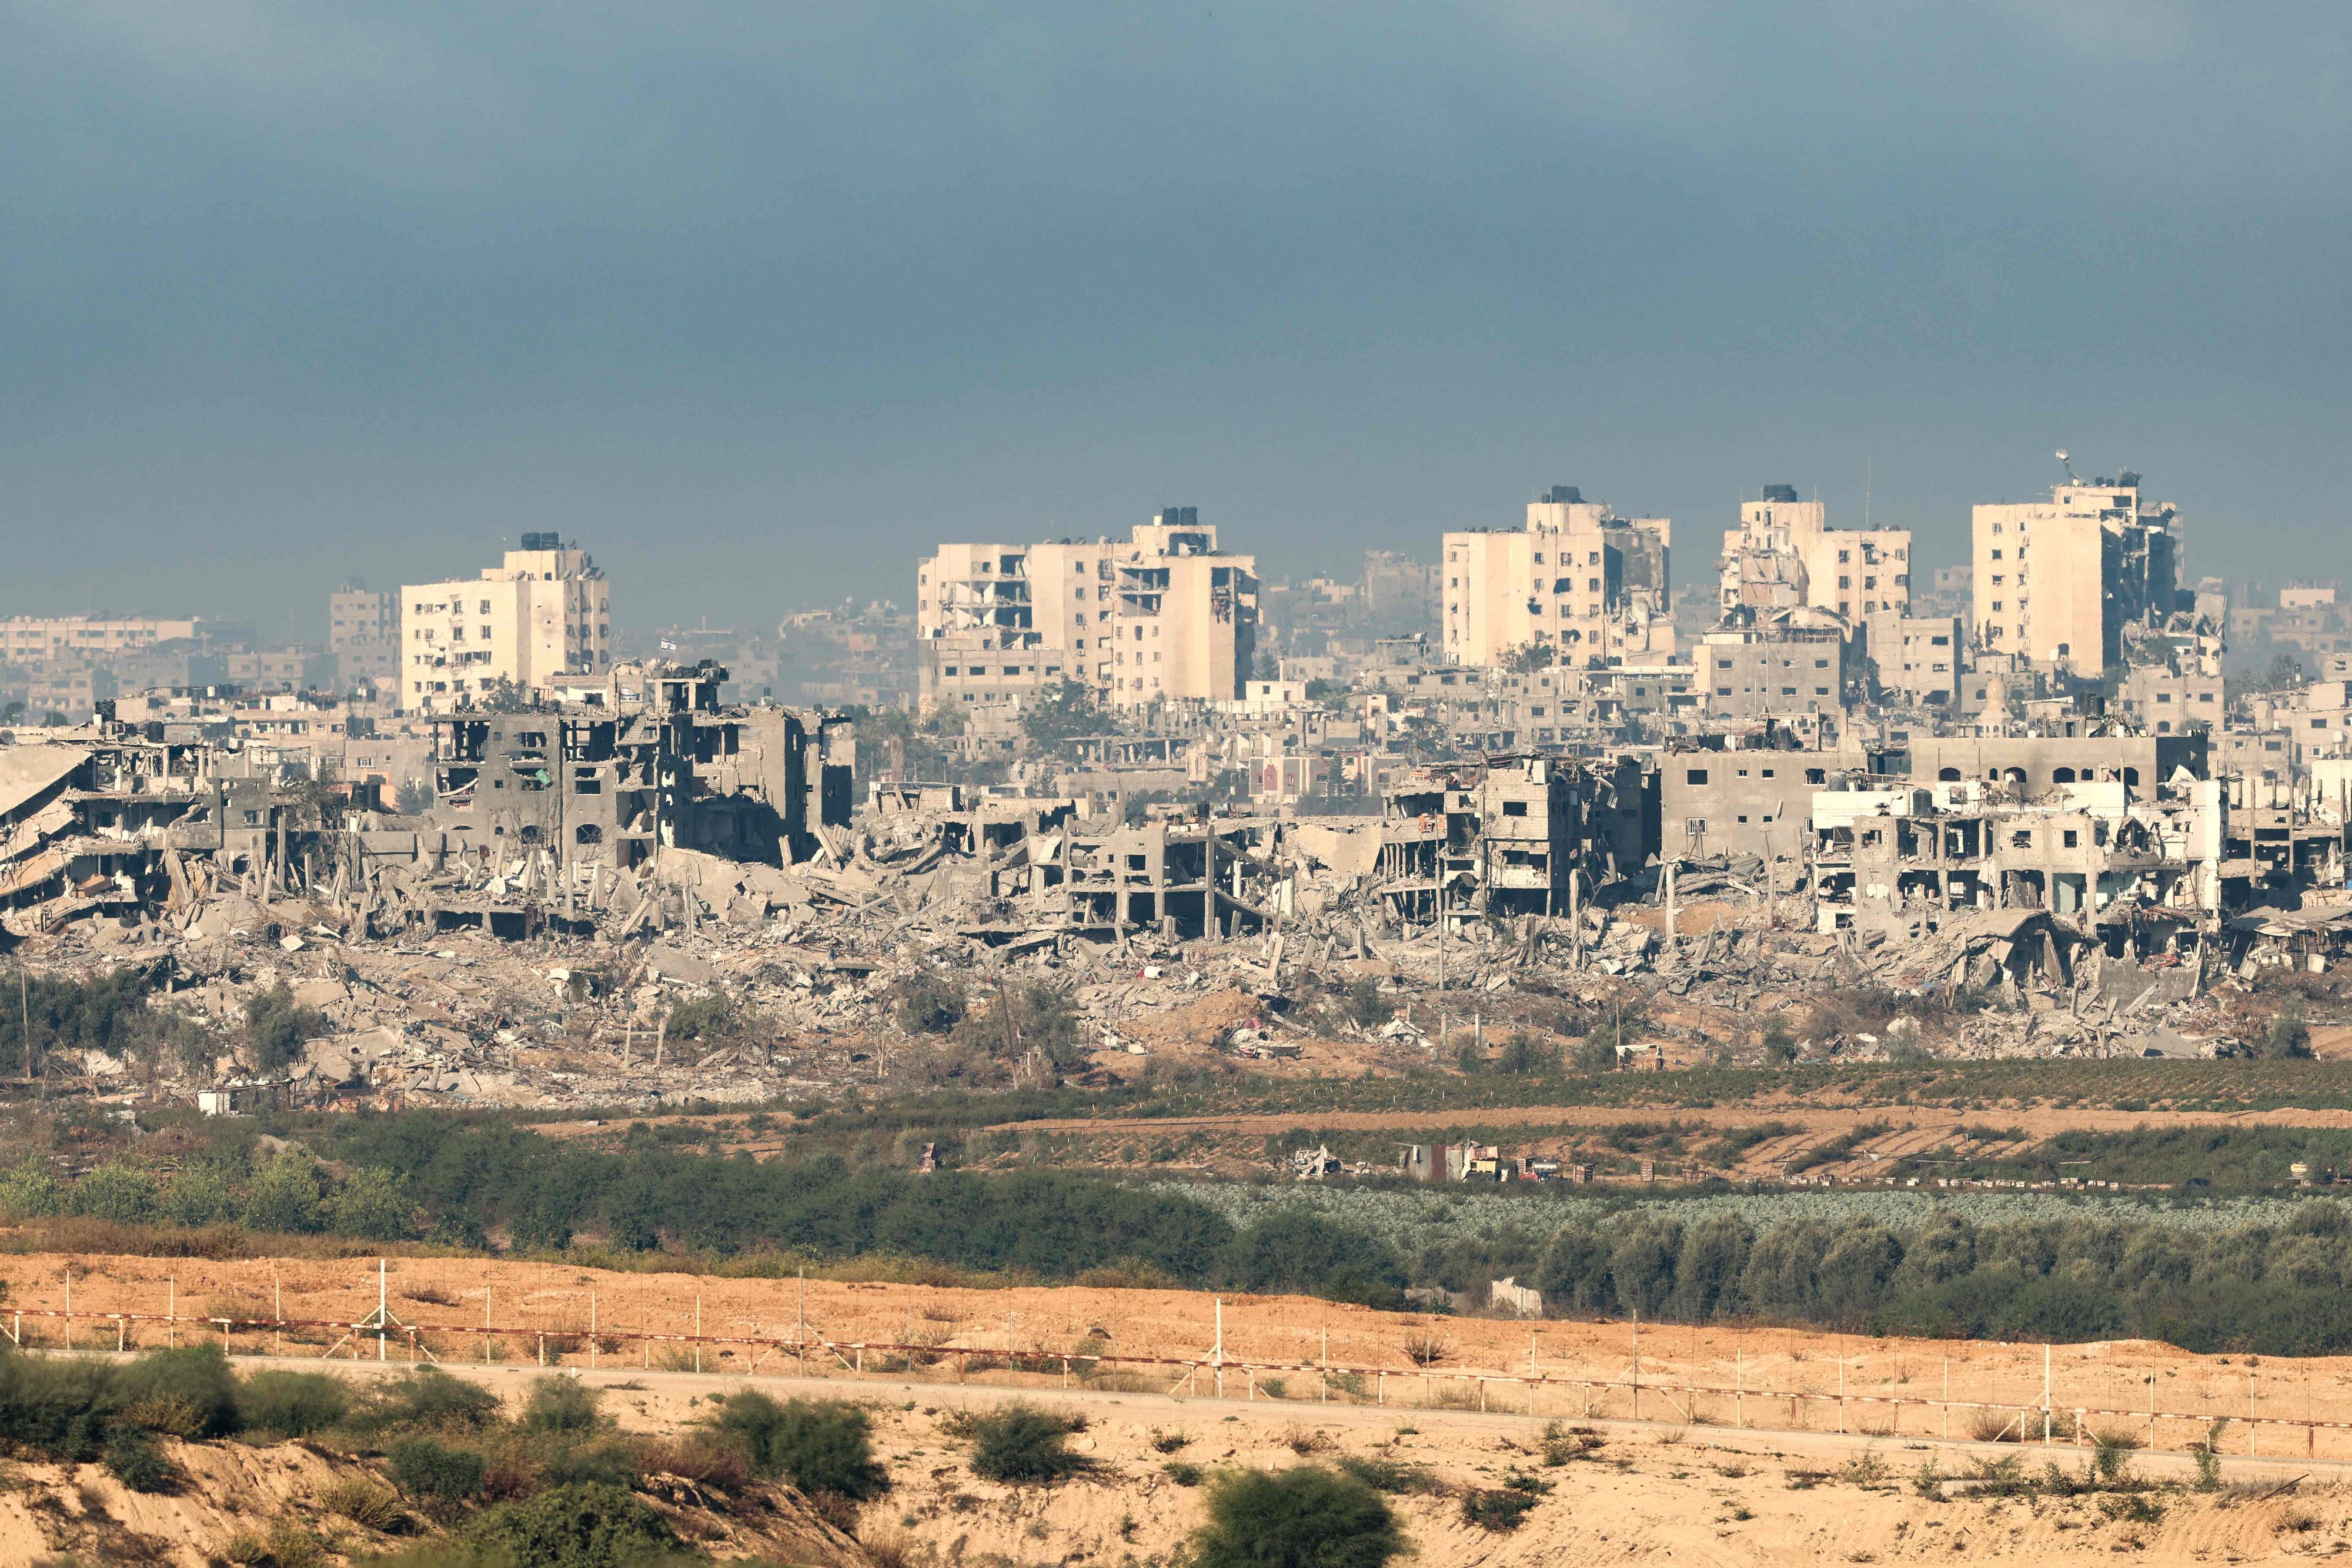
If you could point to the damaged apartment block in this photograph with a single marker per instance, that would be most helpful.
(1523, 835)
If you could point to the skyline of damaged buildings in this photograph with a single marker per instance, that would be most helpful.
(1534, 724)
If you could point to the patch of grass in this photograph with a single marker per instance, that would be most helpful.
(1563, 1444)
(1383, 1474)
(1168, 1442)
(1183, 1472)
(365, 1503)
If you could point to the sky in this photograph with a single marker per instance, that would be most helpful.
(755, 301)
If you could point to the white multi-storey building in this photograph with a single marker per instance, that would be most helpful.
(544, 611)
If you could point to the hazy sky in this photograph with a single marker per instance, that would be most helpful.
(755, 299)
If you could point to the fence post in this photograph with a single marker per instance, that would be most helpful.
(1740, 1388)
(2045, 1396)
(698, 1330)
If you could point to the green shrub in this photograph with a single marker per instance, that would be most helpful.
(564, 1460)
(561, 1404)
(568, 1527)
(291, 1404)
(428, 1399)
(1303, 1518)
(116, 1192)
(68, 1407)
(1184, 1472)
(432, 1471)
(289, 1194)
(1022, 1445)
(31, 1191)
(821, 1445)
(137, 1461)
(198, 1379)
(198, 1196)
(371, 1206)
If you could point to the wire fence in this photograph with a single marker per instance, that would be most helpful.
(2264, 1420)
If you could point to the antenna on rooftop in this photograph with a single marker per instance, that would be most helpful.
(2070, 468)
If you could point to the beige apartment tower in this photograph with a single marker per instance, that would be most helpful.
(544, 611)
(2055, 581)
(1859, 573)
(1164, 616)
(1579, 584)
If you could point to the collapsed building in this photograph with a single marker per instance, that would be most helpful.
(540, 812)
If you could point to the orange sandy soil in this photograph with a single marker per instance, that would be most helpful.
(1883, 1380)
(1645, 1492)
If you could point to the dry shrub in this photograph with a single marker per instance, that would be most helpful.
(1997, 1427)
(1304, 1440)
(365, 1503)
(430, 1295)
(1426, 1347)
(1453, 1396)
(722, 1467)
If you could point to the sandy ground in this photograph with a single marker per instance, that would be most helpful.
(1274, 1348)
(1645, 1491)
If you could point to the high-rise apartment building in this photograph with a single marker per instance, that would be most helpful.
(364, 631)
(1860, 573)
(2055, 581)
(544, 611)
(1163, 617)
(1578, 583)
(1187, 616)
(38, 639)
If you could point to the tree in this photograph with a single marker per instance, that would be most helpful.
(289, 1194)
(118, 1191)
(1529, 657)
(500, 695)
(372, 1207)
(2285, 670)
(275, 1027)
(2290, 1034)
(1064, 711)
(1306, 1516)
(317, 795)
(413, 798)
